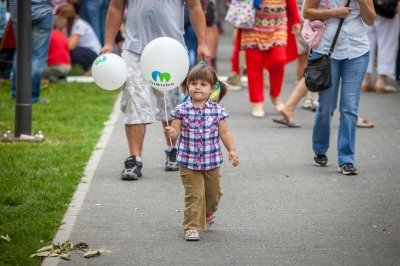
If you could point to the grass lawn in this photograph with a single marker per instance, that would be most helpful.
(38, 179)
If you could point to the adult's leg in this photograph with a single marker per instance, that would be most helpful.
(235, 66)
(352, 73)
(387, 38)
(135, 104)
(41, 29)
(297, 94)
(327, 106)
(95, 12)
(274, 61)
(372, 38)
(135, 136)
(254, 63)
(237, 60)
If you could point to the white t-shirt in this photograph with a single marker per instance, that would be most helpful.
(88, 37)
(352, 41)
(147, 20)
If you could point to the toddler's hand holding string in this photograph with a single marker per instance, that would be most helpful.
(171, 132)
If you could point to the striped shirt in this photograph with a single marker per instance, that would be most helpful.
(270, 27)
(198, 144)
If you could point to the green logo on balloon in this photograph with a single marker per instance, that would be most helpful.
(162, 77)
(100, 59)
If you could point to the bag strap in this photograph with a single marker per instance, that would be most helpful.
(337, 32)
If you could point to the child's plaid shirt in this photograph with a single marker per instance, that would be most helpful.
(198, 144)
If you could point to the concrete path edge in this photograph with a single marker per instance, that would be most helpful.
(72, 212)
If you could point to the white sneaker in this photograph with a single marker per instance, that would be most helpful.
(192, 235)
(258, 113)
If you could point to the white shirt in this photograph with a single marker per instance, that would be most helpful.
(150, 19)
(352, 41)
(88, 37)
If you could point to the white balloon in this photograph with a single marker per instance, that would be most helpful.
(109, 71)
(164, 63)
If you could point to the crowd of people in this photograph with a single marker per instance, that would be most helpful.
(68, 32)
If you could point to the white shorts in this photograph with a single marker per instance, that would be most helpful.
(136, 102)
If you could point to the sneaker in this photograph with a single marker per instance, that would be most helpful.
(234, 81)
(348, 169)
(210, 219)
(171, 164)
(311, 101)
(321, 160)
(307, 104)
(192, 235)
(132, 170)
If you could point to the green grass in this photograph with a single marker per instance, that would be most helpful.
(38, 179)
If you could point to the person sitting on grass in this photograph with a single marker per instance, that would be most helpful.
(83, 42)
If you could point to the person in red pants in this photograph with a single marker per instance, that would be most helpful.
(234, 78)
(270, 45)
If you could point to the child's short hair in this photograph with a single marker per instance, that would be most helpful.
(206, 73)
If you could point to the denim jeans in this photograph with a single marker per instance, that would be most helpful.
(95, 12)
(190, 41)
(347, 74)
(41, 29)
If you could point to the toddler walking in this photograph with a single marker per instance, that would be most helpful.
(200, 124)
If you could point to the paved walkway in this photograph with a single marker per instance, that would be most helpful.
(277, 208)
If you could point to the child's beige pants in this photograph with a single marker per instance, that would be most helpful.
(202, 195)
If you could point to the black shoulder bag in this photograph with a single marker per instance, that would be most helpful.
(317, 74)
(385, 8)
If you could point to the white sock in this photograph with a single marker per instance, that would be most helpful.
(138, 159)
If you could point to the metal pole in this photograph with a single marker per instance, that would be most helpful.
(23, 108)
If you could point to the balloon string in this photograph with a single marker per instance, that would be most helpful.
(166, 114)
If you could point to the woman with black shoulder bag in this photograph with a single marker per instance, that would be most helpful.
(349, 62)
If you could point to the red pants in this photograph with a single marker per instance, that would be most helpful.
(235, 66)
(274, 61)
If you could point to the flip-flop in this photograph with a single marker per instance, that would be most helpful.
(386, 89)
(364, 123)
(282, 121)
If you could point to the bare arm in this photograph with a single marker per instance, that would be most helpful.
(227, 139)
(312, 12)
(198, 21)
(114, 19)
(367, 11)
(174, 129)
(73, 41)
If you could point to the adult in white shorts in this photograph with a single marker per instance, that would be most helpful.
(147, 20)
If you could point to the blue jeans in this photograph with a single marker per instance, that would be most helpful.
(190, 41)
(41, 29)
(95, 12)
(349, 74)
